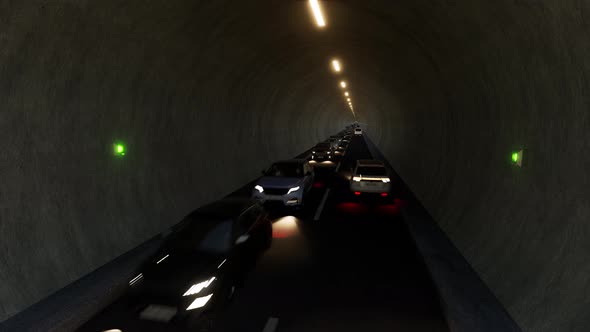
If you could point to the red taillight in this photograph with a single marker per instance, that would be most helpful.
(358, 193)
(383, 194)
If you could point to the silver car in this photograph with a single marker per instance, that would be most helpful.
(285, 181)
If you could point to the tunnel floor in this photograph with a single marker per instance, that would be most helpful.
(342, 263)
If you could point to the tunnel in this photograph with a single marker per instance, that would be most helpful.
(202, 95)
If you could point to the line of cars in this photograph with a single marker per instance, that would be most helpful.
(332, 149)
(287, 182)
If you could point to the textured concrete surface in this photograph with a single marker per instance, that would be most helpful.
(206, 93)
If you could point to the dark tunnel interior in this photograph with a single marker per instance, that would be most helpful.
(205, 94)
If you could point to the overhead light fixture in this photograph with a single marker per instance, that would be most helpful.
(336, 66)
(317, 13)
(346, 94)
(343, 84)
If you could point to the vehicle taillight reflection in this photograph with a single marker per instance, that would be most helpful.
(392, 209)
(285, 227)
(352, 208)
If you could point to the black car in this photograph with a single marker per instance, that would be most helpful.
(192, 278)
(322, 151)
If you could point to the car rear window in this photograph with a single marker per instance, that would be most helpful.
(289, 170)
(371, 171)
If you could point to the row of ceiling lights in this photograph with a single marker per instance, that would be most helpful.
(336, 65)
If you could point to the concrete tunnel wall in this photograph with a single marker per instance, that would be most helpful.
(207, 93)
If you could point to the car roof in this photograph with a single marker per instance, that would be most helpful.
(370, 162)
(292, 161)
(225, 208)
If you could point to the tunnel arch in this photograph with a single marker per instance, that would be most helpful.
(447, 90)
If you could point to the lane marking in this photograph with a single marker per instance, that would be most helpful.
(220, 265)
(162, 259)
(134, 280)
(322, 203)
(338, 167)
(271, 325)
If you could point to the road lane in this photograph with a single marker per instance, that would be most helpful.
(353, 268)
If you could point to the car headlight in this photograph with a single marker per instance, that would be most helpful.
(385, 180)
(329, 152)
(294, 189)
(198, 287)
(356, 178)
(259, 188)
(199, 302)
(313, 152)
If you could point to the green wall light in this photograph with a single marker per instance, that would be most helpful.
(516, 158)
(119, 149)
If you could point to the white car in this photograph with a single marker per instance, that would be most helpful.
(358, 131)
(370, 176)
(286, 182)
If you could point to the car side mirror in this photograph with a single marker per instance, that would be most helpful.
(242, 238)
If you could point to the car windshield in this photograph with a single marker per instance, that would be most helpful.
(323, 146)
(288, 170)
(212, 236)
(371, 171)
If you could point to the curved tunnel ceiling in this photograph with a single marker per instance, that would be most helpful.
(206, 93)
